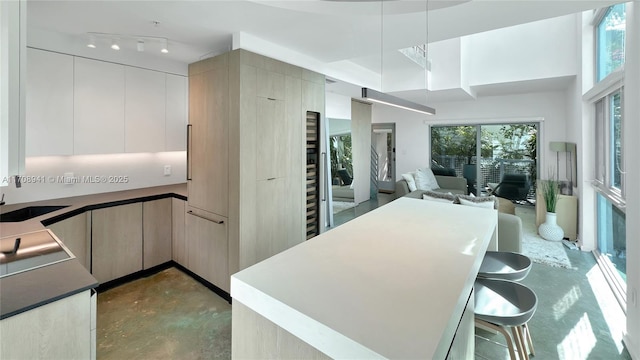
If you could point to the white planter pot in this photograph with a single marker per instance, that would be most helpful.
(549, 230)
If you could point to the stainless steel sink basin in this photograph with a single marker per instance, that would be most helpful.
(29, 251)
(28, 213)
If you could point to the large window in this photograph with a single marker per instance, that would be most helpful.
(504, 149)
(609, 125)
(610, 34)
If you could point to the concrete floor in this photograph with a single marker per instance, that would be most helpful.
(168, 315)
(171, 316)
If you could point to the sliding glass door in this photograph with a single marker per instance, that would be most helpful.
(486, 154)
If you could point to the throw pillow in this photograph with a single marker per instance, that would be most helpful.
(425, 180)
(411, 182)
(489, 202)
(440, 197)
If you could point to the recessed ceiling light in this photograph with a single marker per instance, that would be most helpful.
(92, 42)
(114, 45)
(165, 47)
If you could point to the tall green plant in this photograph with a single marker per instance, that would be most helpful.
(550, 191)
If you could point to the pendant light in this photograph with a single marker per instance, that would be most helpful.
(390, 100)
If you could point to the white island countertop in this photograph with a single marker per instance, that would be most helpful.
(392, 283)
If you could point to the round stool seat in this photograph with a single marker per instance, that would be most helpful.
(504, 302)
(504, 265)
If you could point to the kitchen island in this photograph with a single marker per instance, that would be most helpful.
(394, 283)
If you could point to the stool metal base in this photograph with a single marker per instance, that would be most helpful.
(520, 339)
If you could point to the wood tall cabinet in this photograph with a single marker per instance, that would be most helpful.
(246, 151)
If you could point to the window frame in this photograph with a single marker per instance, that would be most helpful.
(599, 16)
(604, 147)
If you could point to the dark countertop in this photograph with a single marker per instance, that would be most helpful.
(79, 204)
(27, 290)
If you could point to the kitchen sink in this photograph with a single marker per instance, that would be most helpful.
(28, 213)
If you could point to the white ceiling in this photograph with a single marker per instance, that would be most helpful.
(328, 31)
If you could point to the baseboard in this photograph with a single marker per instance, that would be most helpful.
(156, 269)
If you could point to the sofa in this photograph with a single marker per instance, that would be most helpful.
(454, 185)
(509, 225)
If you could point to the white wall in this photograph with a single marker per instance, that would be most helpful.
(632, 164)
(412, 129)
(537, 50)
(361, 149)
(339, 126)
(143, 170)
(337, 106)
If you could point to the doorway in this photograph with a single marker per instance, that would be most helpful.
(383, 156)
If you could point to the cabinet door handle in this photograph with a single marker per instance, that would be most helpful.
(272, 99)
(190, 212)
(189, 127)
(271, 178)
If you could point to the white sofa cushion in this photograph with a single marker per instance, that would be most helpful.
(411, 182)
(425, 180)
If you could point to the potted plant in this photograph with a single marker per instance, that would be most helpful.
(549, 230)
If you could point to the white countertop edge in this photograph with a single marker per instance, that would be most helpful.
(316, 334)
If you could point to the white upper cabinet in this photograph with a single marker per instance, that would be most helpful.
(176, 113)
(49, 111)
(98, 107)
(78, 106)
(144, 110)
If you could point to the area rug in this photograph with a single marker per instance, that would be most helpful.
(342, 205)
(539, 250)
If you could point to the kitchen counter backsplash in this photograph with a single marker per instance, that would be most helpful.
(54, 177)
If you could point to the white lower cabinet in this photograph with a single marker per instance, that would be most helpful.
(207, 247)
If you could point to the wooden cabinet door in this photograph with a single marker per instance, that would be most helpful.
(116, 240)
(272, 157)
(156, 232)
(271, 218)
(179, 252)
(98, 107)
(207, 249)
(208, 162)
(75, 234)
(49, 111)
(270, 84)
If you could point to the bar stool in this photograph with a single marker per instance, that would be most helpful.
(504, 265)
(503, 305)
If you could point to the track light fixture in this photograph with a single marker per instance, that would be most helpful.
(127, 41)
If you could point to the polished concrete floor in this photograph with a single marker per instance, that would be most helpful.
(171, 316)
(168, 315)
